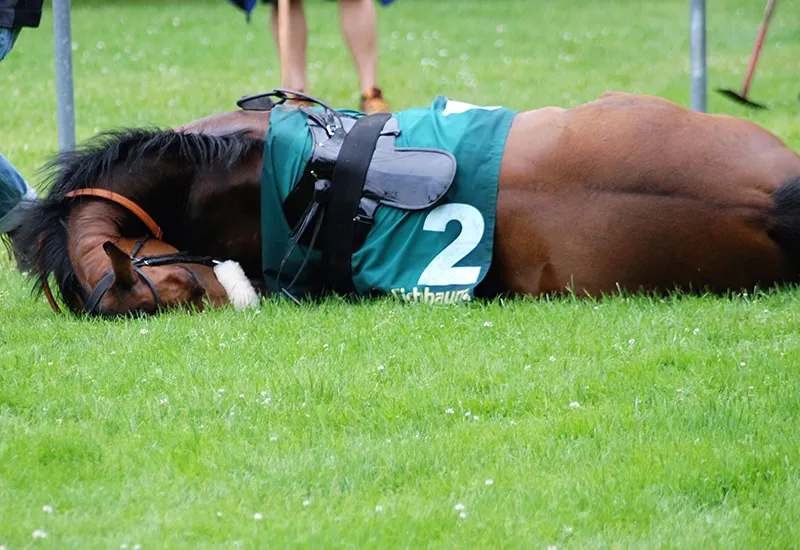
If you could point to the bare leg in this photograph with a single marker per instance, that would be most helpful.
(360, 30)
(298, 34)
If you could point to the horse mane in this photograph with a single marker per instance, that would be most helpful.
(142, 156)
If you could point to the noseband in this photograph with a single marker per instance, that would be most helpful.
(93, 301)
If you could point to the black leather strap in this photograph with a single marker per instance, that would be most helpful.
(93, 301)
(347, 186)
(97, 294)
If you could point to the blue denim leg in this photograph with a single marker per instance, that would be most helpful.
(13, 190)
(7, 39)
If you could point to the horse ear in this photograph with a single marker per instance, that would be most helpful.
(121, 264)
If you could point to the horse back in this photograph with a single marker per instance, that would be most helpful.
(625, 143)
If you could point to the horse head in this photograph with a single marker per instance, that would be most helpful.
(95, 234)
(146, 276)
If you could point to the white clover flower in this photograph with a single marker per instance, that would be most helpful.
(462, 515)
(47, 509)
(459, 506)
(489, 482)
(39, 534)
(487, 323)
(144, 331)
(257, 516)
(574, 405)
(307, 502)
(449, 411)
(379, 508)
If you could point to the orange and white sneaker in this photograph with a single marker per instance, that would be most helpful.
(372, 102)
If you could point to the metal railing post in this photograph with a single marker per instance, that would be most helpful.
(65, 95)
(698, 62)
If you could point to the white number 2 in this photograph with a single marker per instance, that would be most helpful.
(440, 272)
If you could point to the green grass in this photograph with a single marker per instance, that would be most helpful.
(685, 430)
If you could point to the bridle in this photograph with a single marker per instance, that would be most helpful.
(96, 295)
(100, 289)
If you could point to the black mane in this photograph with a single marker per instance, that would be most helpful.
(135, 162)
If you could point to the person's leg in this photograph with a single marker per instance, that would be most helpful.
(14, 192)
(7, 39)
(298, 34)
(13, 188)
(360, 30)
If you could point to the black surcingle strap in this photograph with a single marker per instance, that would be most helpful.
(316, 209)
(347, 186)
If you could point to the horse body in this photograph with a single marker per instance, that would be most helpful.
(636, 192)
(627, 191)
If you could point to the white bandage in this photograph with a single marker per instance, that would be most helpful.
(241, 293)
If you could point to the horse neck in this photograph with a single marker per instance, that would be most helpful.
(223, 213)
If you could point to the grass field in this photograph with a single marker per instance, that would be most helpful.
(628, 422)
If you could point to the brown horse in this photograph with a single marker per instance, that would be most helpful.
(628, 191)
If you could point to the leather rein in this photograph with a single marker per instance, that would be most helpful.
(96, 295)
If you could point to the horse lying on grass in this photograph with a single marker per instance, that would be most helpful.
(439, 205)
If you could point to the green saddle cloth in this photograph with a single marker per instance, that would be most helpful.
(437, 255)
